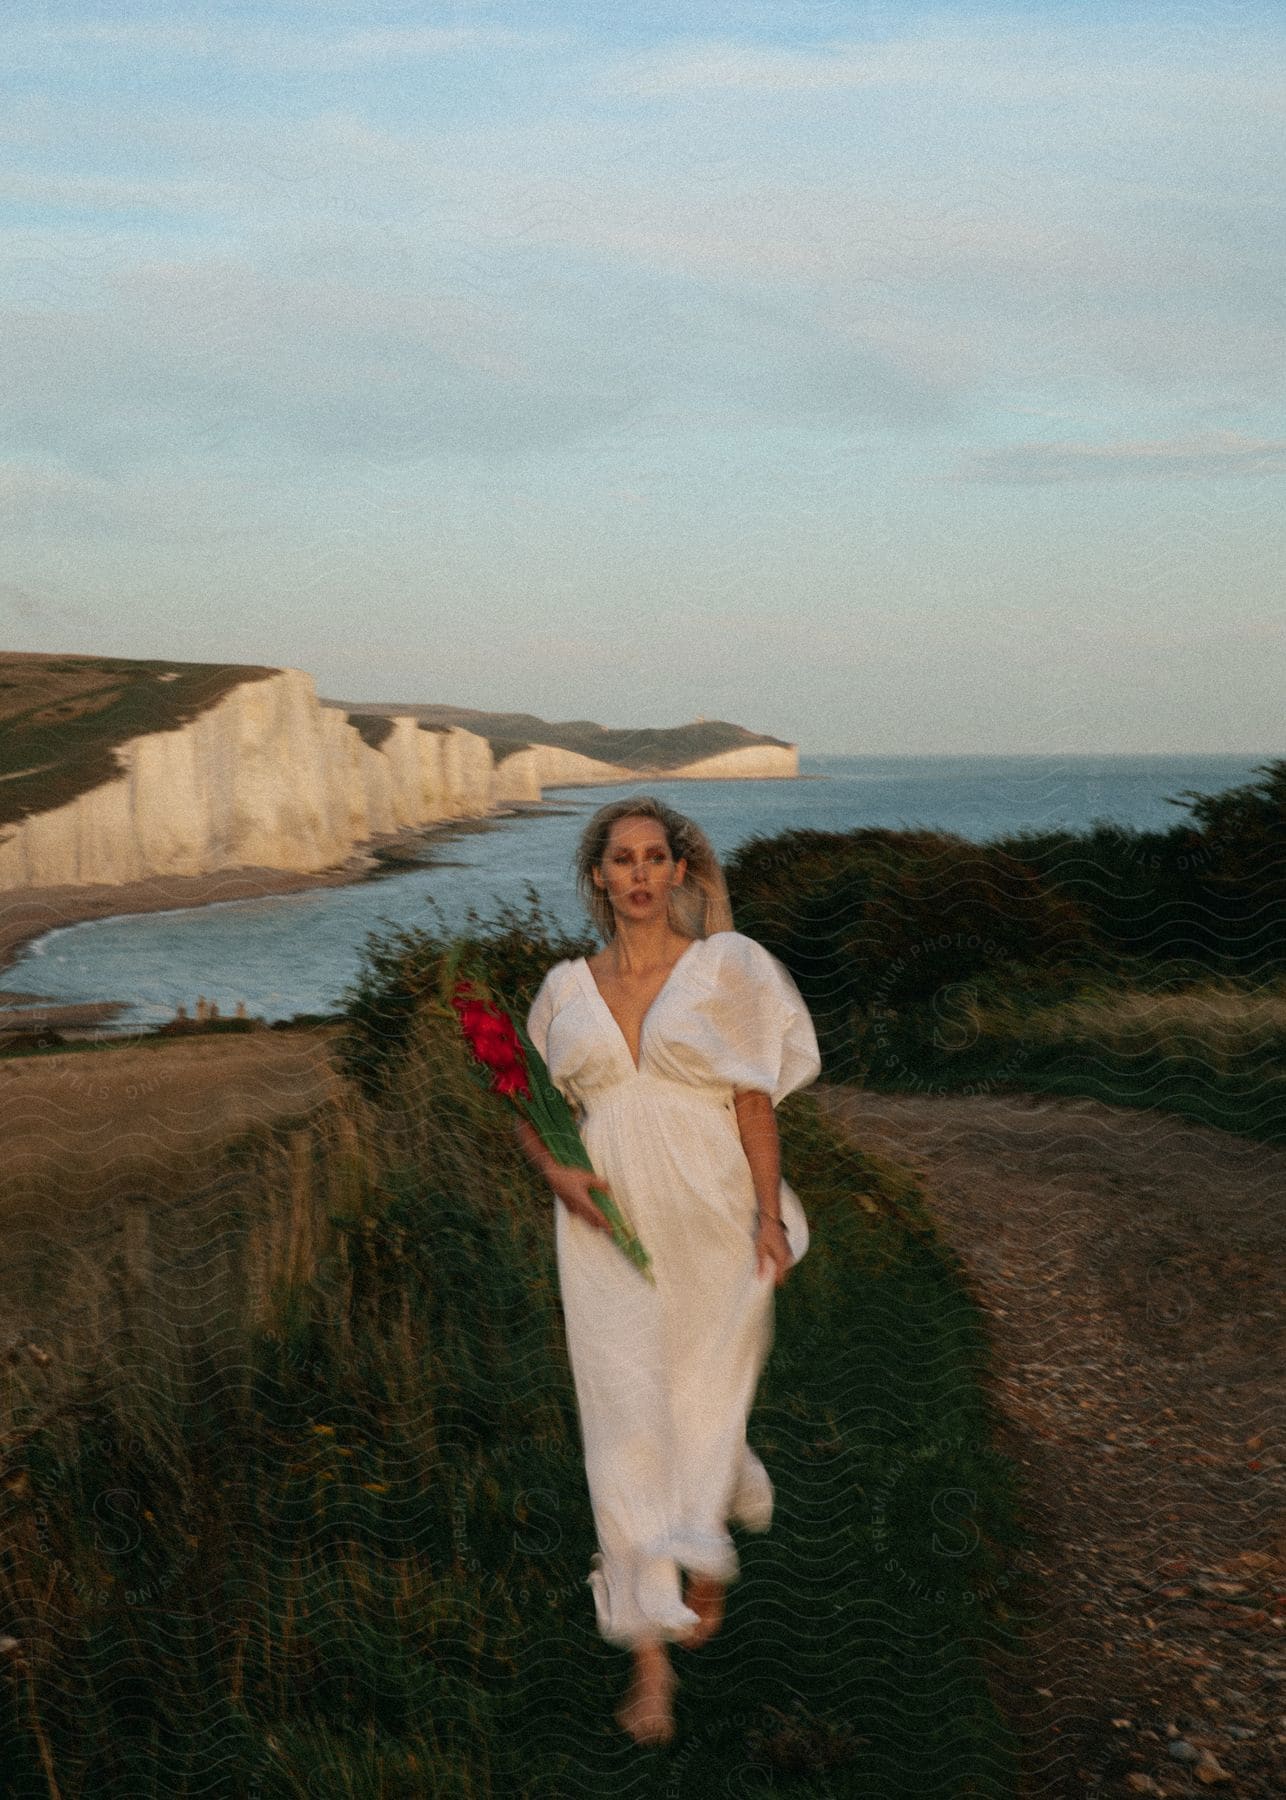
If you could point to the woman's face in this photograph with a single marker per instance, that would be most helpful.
(637, 872)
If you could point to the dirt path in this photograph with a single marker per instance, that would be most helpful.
(1132, 1268)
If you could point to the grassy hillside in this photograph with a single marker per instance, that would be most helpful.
(634, 747)
(61, 717)
(296, 1503)
(1143, 968)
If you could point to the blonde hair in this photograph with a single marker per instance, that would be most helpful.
(698, 907)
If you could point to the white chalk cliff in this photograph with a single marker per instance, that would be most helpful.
(546, 765)
(269, 778)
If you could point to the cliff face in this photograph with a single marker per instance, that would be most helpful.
(517, 777)
(762, 762)
(265, 778)
(567, 768)
(633, 749)
(522, 775)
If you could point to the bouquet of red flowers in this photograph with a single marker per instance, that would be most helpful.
(517, 1071)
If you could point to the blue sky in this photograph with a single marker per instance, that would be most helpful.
(883, 376)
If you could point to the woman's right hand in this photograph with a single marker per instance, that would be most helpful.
(572, 1187)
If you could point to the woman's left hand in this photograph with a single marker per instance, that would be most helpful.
(772, 1251)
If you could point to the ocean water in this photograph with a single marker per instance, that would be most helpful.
(294, 953)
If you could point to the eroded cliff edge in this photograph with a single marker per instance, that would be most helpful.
(246, 768)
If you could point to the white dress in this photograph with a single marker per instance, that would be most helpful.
(665, 1376)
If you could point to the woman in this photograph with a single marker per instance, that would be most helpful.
(674, 1043)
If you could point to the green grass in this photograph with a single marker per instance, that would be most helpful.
(642, 748)
(1252, 1107)
(1210, 1049)
(64, 717)
(1142, 968)
(329, 1533)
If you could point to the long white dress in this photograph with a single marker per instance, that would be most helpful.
(665, 1376)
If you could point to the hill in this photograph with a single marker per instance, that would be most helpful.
(61, 718)
(116, 770)
(644, 749)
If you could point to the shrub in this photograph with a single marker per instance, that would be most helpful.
(1213, 893)
(879, 921)
(403, 967)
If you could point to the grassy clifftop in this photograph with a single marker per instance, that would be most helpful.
(352, 1519)
(61, 718)
(634, 747)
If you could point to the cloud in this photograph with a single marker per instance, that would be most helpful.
(350, 283)
(1173, 639)
(747, 67)
(210, 356)
(28, 607)
(1220, 454)
(51, 496)
(273, 48)
(98, 194)
(1041, 61)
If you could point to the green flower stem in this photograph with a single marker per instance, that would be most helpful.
(556, 1127)
(546, 1108)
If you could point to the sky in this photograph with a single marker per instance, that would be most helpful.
(890, 378)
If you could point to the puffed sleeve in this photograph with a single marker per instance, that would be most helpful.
(765, 1034)
(543, 1008)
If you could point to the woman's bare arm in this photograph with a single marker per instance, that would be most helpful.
(533, 1148)
(757, 1124)
(571, 1185)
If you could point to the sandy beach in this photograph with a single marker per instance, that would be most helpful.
(27, 913)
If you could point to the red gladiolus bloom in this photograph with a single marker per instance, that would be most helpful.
(490, 1036)
(494, 1042)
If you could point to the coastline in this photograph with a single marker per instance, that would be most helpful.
(28, 913)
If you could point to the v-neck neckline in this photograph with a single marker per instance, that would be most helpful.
(602, 1000)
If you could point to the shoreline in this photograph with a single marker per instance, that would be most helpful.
(27, 914)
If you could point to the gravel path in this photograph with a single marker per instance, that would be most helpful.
(1132, 1268)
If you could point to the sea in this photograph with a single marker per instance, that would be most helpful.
(290, 954)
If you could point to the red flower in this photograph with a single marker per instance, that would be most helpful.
(494, 1041)
(489, 1033)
